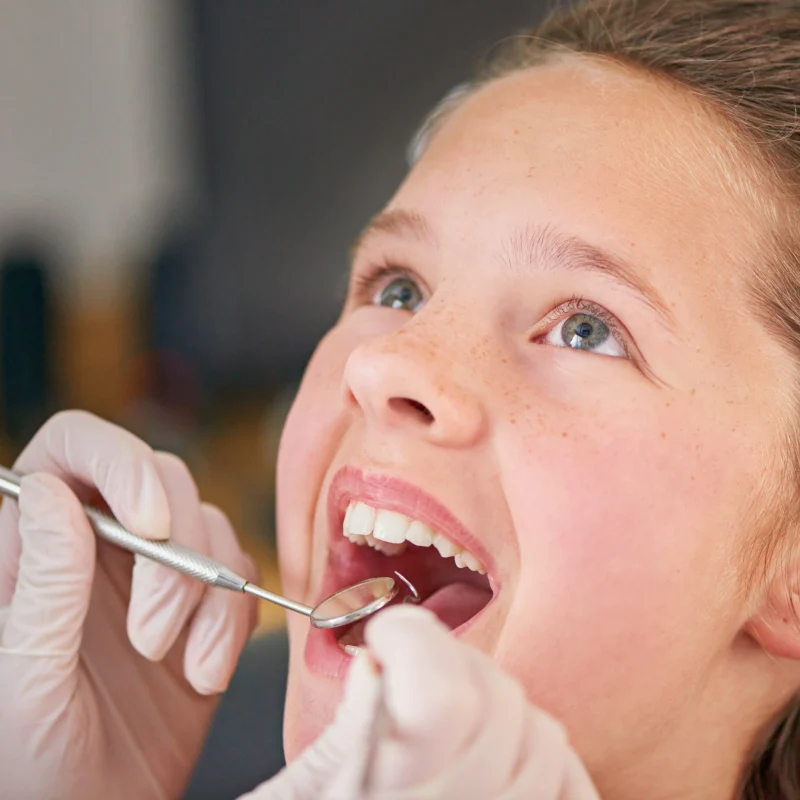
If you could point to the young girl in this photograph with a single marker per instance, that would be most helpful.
(561, 398)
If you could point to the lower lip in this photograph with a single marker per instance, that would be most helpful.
(323, 654)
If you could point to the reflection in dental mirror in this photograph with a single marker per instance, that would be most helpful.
(354, 603)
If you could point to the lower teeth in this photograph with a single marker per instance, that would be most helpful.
(353, 636)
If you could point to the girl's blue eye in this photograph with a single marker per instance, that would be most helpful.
(402, 294)
(585, 332)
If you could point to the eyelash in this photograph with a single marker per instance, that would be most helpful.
(580, 305)
(364, 287)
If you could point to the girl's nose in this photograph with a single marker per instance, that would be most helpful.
(402, 382)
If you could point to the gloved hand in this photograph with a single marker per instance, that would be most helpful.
(82, 713)
(455, 725)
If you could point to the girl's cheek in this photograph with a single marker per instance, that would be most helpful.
(320, 409)
(628, 508)
(316, 423)
(307, 446)
(622, 538)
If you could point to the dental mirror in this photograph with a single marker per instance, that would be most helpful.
(346, 606)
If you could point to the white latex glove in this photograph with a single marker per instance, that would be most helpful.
(455, 726)
(82, 713)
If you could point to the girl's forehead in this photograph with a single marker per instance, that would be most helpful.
(598, 120)
(613, 156)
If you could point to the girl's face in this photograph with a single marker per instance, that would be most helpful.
(547, 357)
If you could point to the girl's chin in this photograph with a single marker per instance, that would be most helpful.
(300, 731)
(296, 739)
(311, 703)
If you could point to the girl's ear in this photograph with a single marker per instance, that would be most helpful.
(776, 625)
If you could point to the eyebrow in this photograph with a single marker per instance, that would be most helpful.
(397, 222)
(546, 246)
(532, 245)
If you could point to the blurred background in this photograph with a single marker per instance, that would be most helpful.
(179, 185)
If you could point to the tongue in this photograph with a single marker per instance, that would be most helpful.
(455, 603)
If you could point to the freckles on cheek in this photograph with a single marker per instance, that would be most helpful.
(615, 523)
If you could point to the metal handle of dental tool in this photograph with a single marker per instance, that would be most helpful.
(342, 608)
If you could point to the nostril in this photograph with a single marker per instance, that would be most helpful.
(421, 410)
(407, 406)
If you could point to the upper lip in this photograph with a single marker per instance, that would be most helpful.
(394, 494)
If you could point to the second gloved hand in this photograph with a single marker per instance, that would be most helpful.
(455, 726)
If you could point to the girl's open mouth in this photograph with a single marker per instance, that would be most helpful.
(373, 541)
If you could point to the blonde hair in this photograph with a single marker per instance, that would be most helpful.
(741, 59)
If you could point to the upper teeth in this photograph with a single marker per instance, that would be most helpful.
(391, 532)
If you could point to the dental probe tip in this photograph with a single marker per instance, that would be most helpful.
(414, 598)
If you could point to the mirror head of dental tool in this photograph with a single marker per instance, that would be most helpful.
(354, 603)
(351, 604)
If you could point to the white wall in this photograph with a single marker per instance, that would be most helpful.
(94, 129)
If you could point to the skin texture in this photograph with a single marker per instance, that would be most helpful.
(614, 493)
